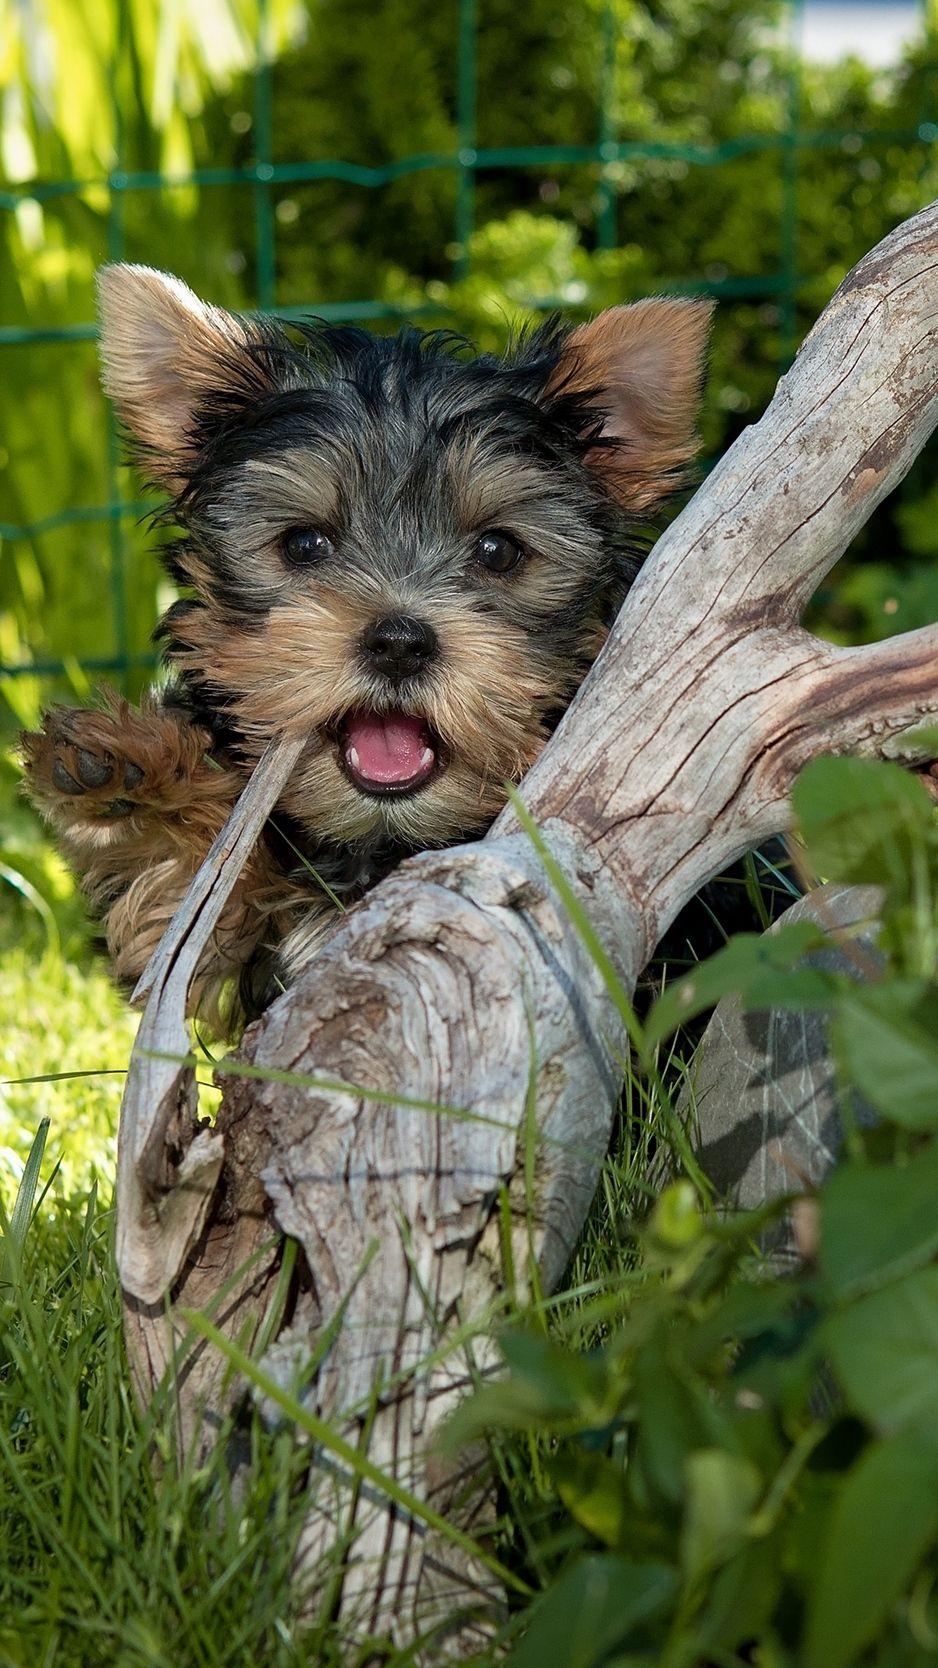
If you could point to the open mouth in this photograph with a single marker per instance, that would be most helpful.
(388, 752)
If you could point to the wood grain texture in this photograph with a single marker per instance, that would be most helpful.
(764, 1092)
(461, 982)
(170, 1166)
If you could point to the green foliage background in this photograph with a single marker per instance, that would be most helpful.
(731, 169)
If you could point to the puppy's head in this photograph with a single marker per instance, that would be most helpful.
(407, 554)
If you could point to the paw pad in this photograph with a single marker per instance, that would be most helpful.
(63, 780)
(88, 767)
(93, 769)
(89, 771)
(92, 773)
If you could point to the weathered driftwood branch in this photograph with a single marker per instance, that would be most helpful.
(461, 982)
(168, 1167)
(161, 1085)
(766, 1099)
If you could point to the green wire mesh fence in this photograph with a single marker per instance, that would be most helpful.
(262, 177)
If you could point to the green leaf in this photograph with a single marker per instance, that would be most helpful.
(917, 744)
(548, 1387)
(742, 1597)
(562, 1378)
(593, 1490)
(558, 1373)
(755, 965)
(885, 1352)
(755, 1314)
(883, 1522)
(885, 1040)
(722, 1490)
(676, 1221)
(878, 1223)
(594, 1607)
(674, 1415)
(864, 822)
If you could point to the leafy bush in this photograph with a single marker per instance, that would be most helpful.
(748, 1463)
(709, 87)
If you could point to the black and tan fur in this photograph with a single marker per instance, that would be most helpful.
(398, 458)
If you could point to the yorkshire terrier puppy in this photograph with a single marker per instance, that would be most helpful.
(404, 553)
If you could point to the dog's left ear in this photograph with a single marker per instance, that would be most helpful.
(642, 366)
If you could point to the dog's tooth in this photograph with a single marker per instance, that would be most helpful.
(427, 757)
(353, 758)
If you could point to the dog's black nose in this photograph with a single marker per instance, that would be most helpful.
(398, 646)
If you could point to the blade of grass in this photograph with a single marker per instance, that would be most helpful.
(36, 901)
(22, 1211)
(360, 1091)
(308, 866)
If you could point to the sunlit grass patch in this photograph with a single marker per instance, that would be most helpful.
(60, 1017)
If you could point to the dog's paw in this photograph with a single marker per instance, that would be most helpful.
(88, 761)
(98, 765)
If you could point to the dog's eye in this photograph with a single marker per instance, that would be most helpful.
(498, 552)
(303, 547)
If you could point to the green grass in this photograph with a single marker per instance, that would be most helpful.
(59, 1012)
(104, 1564)
(100, 1563)
(58, 1016)
(678, 1469)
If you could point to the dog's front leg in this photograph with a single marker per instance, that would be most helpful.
(137, 801)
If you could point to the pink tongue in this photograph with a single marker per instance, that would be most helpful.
(389, 749)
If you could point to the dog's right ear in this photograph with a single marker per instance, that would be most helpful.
(165, 355)
(641, 366)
